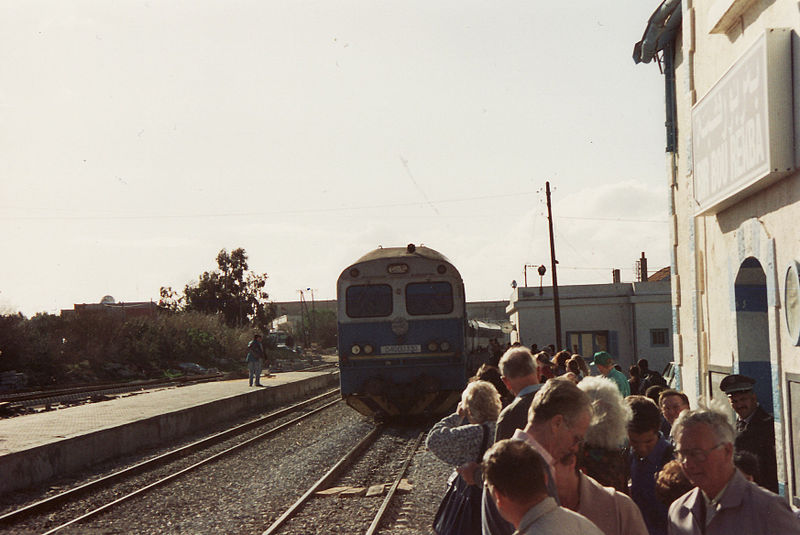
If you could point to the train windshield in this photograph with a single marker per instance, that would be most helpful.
(424, 298)
(369, 301)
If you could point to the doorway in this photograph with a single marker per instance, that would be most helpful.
(752, 329)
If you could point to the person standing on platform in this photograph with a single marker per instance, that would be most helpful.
(649, 377)
(558, 418)
(605, 363)
(755, 431)
(516, 480)
(255, 359)
(521, 376)
(672, 403)
(649, 452)
(604, 452)
(724, 502)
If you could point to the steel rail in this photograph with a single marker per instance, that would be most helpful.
(179, 473)
(373, 528)
(343, 463)
(47, 503)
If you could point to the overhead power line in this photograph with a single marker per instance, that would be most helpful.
(299, 211)
(620, 219)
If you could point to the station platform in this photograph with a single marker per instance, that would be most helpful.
(37, 447)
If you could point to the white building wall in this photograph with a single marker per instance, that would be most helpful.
(627, 311)
(711, 338)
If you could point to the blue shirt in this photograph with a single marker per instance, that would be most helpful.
(530, 388)
(643, 486)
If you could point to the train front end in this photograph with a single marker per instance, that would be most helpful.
(401, 327)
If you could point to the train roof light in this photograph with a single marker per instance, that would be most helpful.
(397, 269)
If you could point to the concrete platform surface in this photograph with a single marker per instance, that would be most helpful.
(37, 447)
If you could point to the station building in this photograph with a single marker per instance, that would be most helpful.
(732, 77)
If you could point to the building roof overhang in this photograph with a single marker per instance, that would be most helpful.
(661, 29)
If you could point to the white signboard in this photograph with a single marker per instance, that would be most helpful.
(742, 131)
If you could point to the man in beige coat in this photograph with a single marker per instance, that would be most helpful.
(611, 511)
(724, 502)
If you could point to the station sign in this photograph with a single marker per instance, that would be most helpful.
(743, 128)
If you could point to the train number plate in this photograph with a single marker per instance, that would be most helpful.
(396, 350)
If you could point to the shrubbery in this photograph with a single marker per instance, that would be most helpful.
(98, 347)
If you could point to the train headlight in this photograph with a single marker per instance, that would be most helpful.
(355, 350)
(433, 346)
(445, 346)
(368, 349)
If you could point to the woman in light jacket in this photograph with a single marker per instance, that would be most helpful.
(457, 439)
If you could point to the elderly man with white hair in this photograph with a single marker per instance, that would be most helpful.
(724, 502)
(521, 376)
(557, 420)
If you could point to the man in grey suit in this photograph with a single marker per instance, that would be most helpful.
(521, 376)
(724, 502)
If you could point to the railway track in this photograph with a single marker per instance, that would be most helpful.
(159, 470)
(311, 510)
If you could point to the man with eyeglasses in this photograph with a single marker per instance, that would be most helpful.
(724, 501)
(558, 418)
(755, 431)
(672, 403)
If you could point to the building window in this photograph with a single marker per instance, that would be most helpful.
(659, 337)
(587, 343)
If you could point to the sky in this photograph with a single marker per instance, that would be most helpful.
(139, 138)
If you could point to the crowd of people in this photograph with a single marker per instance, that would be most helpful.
(571, 452)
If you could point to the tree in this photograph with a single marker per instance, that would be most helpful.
(232, 291)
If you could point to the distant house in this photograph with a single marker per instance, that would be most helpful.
(108, 306)
(630, 320)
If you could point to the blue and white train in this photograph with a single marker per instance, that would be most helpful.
(401, 327)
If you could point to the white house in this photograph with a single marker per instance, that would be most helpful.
(629, 320)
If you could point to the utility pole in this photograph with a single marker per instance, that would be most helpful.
(304, 315)
(313, 314)
(553, 262)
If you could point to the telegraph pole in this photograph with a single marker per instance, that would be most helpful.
(313, 315)
(553, 263)
(304, 315)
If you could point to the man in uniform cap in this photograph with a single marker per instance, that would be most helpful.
(755, 431)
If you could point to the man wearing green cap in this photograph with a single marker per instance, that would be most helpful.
(605, 363)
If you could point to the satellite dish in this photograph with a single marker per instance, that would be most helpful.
(107, 300)
(506, 328)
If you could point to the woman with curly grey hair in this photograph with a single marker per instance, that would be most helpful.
(460, 440)
(456, 439)
(603, 454)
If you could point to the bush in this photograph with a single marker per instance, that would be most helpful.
(51, 349)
